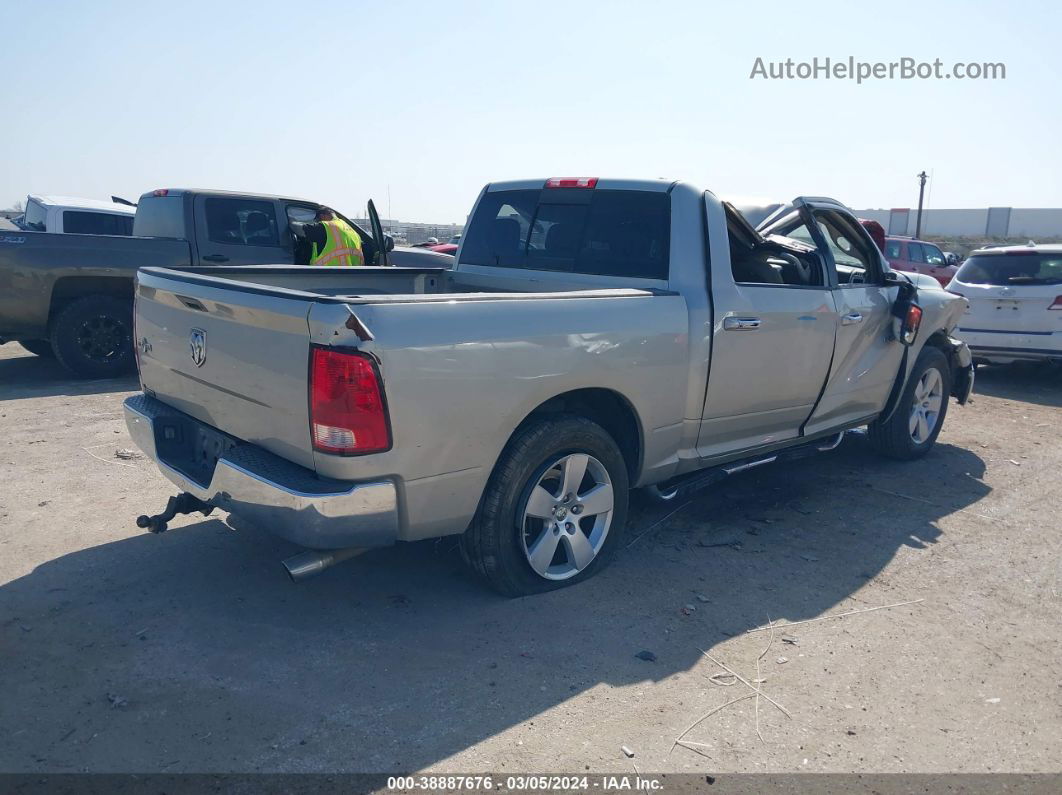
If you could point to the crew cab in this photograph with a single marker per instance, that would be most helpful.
(71, 295)
(1015, 303)
(593, 336)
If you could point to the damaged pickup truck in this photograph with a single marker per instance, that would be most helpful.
(594, 336)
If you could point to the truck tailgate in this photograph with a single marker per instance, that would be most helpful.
(235, 359)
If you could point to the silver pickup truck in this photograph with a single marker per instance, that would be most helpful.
(594, 336)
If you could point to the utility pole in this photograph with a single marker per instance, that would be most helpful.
(921, 193)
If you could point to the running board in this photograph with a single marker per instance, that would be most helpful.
(694, 481)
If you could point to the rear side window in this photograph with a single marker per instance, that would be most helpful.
(159, 216)
(599, 232)
(242, 222)
(79, 222)
(1012, 270)
(893, 249)
(915, 253)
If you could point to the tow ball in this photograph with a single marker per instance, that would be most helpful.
(182, 503)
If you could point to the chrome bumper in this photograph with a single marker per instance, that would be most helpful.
(281, 497)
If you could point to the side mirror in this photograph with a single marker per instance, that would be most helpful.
(389, 243)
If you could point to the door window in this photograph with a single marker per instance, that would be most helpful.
(770, 262)
(915, 253)
(894, 249)
(855, 257)
(241, 222)
(934, 256)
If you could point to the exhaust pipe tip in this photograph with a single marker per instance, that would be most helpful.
(312, 562)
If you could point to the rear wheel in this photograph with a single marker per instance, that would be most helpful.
(554, 509)
(93, 336)
(41, 348)
(915, 424)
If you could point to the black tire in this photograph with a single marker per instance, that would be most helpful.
(41, 348)
(494, 544)
(93, 336)
(894, 437)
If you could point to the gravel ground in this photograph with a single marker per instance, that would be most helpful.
(122, 651)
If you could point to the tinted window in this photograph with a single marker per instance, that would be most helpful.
(610, 233)
(36, 216)
(79, 222)
(893, 249)
(1013, 269)
(915, 253)
(242, 222)
(159, 216)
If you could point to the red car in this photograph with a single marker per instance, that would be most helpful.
(445, 248)
(918, 256)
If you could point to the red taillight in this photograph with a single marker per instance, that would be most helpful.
(347, 412)
(571, 182)
(160, 192)
(1057, 303)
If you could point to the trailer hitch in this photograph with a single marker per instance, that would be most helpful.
(182, 503)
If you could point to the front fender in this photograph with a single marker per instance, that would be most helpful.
(962, 370)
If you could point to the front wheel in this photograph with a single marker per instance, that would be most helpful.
(915, 424)
(554, 510)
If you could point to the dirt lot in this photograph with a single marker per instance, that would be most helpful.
(122, 651)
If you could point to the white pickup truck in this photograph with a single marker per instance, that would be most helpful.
(594, 335)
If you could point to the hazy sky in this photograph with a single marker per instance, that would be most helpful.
(339, 102)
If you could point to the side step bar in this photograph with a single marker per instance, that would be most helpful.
(695, 481)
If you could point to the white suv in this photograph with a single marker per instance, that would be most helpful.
(1015, 297)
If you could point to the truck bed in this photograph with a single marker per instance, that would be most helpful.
(454, 350)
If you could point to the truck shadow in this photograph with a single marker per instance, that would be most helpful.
(1031, 382)
(24, 375)
(192, 646)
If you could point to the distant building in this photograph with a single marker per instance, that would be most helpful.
(413, 233)
(1030, 222)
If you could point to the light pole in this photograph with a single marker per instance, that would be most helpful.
(921, 192)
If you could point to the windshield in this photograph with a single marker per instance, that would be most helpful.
(1012, 269)
(35, 217)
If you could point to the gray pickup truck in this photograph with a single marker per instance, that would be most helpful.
(71, 295)
(594, 336)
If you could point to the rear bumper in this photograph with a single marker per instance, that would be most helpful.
(264, 489)
(1012, 345)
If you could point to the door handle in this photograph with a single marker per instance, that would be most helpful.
(215, 258)
(851, 319)
(741, 323)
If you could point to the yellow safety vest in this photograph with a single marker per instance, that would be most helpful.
(342, 245)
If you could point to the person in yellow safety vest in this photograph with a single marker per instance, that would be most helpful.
(331, 240)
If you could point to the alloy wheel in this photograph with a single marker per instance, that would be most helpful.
(567, 516)
(928, 399)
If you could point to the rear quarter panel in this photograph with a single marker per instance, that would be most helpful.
(460, 376)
